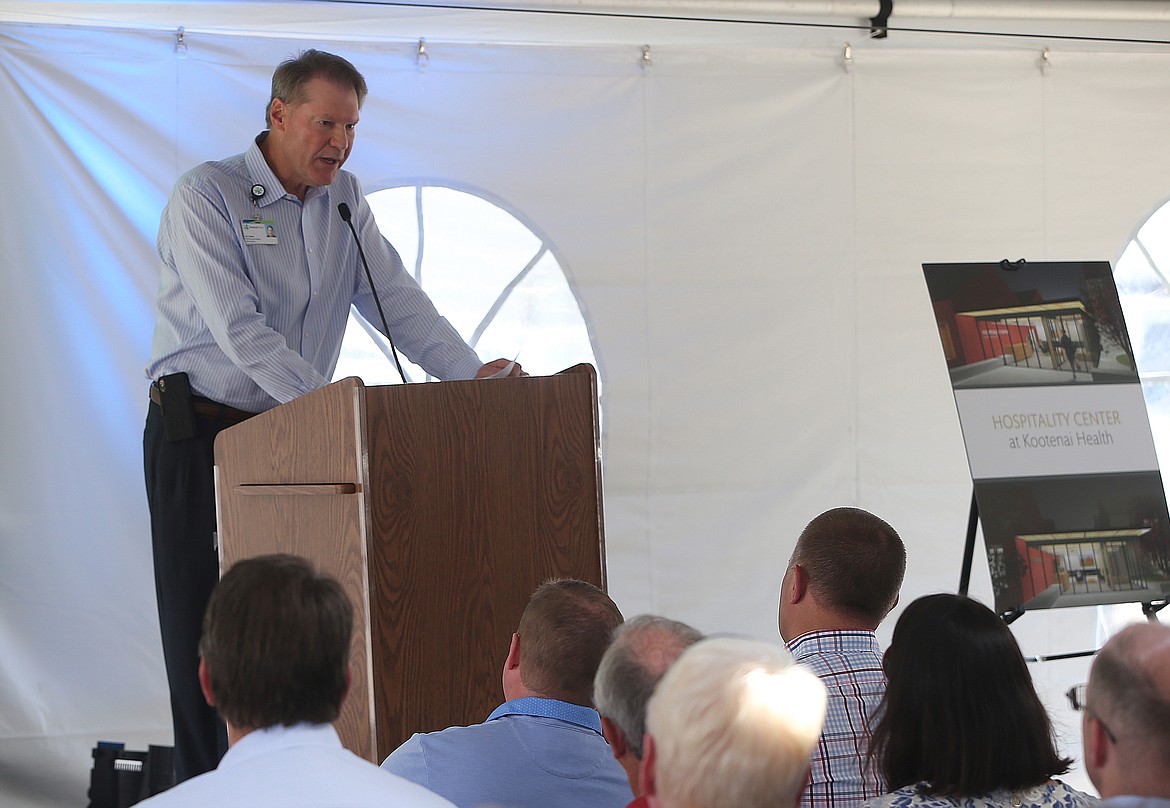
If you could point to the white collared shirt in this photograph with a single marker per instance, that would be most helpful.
(304, 766)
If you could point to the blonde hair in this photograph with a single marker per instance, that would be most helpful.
(734, 722)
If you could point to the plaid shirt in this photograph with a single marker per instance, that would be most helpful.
(850, 665)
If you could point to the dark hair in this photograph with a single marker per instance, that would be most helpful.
(290, 78)
(855, 562)
(276, 641)
(643, 649)
(960, 715)
(564, 630)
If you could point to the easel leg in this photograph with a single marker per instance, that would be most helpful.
(969, 548)
(1151, 609)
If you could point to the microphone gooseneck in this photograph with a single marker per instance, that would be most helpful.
(346, 217)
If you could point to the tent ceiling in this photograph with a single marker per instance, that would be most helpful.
(715, 22)
(1113, 10)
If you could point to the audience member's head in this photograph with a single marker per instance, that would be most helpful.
(275, 646)
(1126, 722)
(563, 633)
(733, 722)
(960, 714)
(643, 649)
(845, 573)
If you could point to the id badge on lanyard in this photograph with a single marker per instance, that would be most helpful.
(257, 230)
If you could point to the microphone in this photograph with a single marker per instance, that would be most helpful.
(343, 209)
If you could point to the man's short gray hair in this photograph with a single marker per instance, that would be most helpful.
(642, 650)
(734, 722)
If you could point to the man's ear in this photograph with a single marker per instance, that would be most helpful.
(277, 113)
(648, 768)
(797, 584)
(1096, 743)
(205, 682)
(615, 737)
(513, 660)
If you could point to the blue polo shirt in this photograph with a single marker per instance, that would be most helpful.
(530, 753)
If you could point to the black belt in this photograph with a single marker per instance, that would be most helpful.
(206, 408)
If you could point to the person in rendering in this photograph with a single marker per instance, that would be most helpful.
(246, 322)
(274, 661)
(732, 723)
(1070, 351)
(1126, 722)
(961, 724)
(643, 649)
(543, 747)
(841, 582)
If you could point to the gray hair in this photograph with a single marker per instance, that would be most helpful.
(643, 649)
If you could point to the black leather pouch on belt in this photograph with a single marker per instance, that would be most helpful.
(178, 409)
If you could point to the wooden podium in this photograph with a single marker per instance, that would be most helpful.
(439, 507)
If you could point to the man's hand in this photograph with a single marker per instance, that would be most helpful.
(495, 368)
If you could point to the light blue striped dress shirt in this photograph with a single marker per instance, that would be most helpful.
(256, 325)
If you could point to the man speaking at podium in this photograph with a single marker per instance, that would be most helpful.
(262, 255)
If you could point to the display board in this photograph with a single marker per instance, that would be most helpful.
(1058, 440)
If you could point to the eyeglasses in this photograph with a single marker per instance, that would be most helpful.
(1076, 700)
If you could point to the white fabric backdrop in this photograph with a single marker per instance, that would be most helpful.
(744, 225)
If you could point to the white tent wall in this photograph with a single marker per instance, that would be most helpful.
(744, 225)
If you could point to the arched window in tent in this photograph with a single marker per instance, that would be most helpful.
(1142, 274)
(489, 273)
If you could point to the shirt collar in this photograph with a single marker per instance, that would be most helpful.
(260, 741)
(260, 173)
(834, 641)
(550, 708)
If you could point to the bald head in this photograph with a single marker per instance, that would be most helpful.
(1127, 719)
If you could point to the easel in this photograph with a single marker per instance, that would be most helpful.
(1010, 616)
(1149, 608)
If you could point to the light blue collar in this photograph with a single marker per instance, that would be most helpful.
(550, 708)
